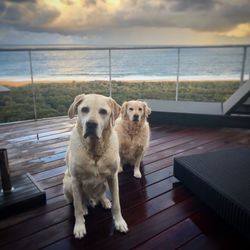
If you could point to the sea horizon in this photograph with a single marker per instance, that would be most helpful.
(126, 65)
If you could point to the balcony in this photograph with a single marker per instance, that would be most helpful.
(161, 213)
(44, 80)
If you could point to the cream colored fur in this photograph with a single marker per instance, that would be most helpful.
(93, 160)
(133, 135)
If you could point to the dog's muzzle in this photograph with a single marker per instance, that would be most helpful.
(136, 118)
(91, 127)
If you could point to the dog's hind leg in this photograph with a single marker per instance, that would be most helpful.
(85, 205)
(120, 169)
(67, 187)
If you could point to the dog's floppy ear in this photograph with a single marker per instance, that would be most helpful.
(147, 110)
(124, 109)
(74, 105)
(115, 110)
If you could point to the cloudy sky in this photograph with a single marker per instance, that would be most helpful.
(125, 22)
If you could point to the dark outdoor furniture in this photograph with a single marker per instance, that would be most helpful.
(19, 192)
(234, 112)
(222, 180)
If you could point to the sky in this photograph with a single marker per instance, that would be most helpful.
(125, 22)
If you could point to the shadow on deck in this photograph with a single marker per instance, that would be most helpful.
(160, 212)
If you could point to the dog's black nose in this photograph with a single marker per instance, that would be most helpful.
(91, 125)
(136, 118)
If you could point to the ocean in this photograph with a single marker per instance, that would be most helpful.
(146, 64)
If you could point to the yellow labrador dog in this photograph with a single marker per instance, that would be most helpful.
(93, 159)
(134, 133)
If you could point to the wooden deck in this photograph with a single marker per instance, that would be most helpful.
(160, 212)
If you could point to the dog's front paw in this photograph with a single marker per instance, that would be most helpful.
(79, 230)
(106, 203)
(137, 174)
(121, 225)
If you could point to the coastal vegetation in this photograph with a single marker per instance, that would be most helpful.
(53, 99)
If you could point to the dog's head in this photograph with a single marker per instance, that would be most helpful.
(135, 111)
(95, 113)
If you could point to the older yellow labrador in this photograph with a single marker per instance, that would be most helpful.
(93, 159)
(134, 133)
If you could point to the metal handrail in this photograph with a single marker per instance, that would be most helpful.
(78, 47)
(31, 49)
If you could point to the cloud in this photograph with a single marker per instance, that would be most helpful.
(9, 36)
(91, 17)
(20, 2)
(241, 30)
(2, 7)
(27, 15)
(89, 2)
(68, 2)
(197, 15)
(182, 5)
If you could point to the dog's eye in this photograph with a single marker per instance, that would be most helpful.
(131, 109)
(140, 109)
(85, 109)
(103, 111)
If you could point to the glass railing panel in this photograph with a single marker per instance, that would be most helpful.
(16, 91)
(61, 75)
(209, 74)
(144, 74)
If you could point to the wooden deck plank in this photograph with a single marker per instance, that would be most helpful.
(157, 197)
(172, 238)
(59, 155)
(150, 227)
(47, 152)
(101, 218)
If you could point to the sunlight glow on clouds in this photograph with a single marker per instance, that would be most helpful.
(114, 20)
(241, 30)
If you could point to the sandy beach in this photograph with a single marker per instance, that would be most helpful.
(20, 83)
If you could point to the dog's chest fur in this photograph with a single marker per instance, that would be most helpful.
(90, 164)
(93, 169)
(134, 142)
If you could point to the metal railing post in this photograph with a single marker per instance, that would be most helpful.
(177, 76)
(110, 75)
(243, 65)
(33, 86)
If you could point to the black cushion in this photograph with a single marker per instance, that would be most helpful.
(222, 180)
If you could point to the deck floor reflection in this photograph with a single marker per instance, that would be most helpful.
(160, 212)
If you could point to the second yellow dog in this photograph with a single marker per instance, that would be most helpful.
(133, 133)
